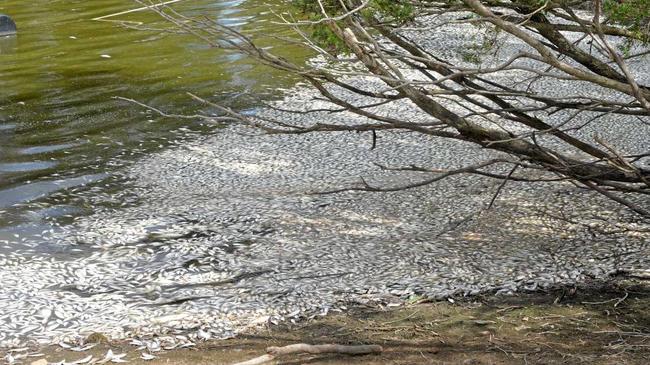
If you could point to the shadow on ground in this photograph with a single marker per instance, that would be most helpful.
(598, 323)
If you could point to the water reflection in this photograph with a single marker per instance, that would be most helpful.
(30, 191)
(25, 166)
(59, 121)
(8, 44)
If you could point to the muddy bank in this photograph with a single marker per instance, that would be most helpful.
(597, 323)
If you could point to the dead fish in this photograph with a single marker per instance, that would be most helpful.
(86, 359)
(112, 357)
(145, 356)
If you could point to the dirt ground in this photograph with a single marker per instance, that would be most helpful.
(595, 324)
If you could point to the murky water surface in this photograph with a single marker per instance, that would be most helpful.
(62, 131)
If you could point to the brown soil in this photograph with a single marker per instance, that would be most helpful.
(599, 324)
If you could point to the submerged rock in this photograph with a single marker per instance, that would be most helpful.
(7, 25)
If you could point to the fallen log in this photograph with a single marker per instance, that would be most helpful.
(273, 352)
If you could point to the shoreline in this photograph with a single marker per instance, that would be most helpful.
(595, 323)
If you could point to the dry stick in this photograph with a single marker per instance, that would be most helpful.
(618, 199)
(273, 352)
(179, 116)
(135, 10)
(637, 274)
(501, 186)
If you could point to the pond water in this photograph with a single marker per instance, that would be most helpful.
(62, 131)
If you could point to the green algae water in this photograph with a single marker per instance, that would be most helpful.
(61, 129)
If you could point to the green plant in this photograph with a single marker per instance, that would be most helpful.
(633, 14)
